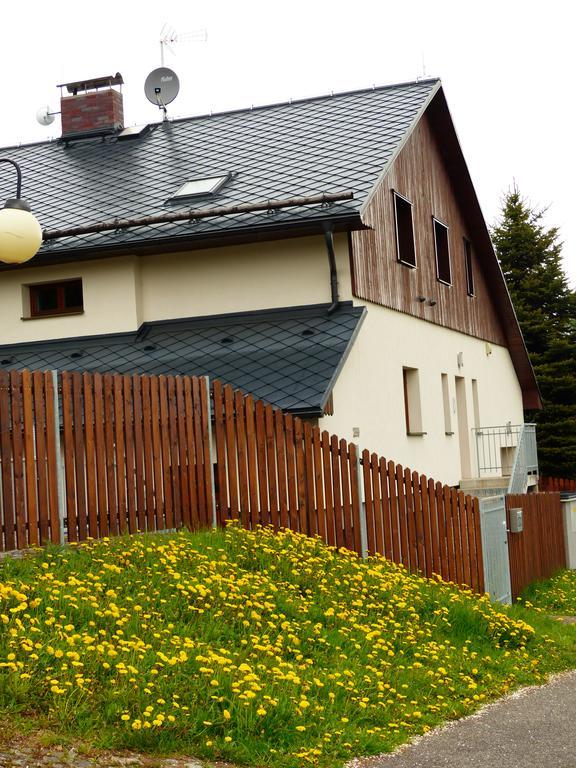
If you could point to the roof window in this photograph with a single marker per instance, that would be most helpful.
(200, 187)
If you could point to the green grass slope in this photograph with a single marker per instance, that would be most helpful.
(252, 647)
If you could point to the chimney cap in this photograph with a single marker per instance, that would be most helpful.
(96, 82)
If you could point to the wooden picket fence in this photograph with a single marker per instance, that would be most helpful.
(427, 526)
(91, 455)
(539, 550)
(556, 484)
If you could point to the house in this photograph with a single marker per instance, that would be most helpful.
(328, 255)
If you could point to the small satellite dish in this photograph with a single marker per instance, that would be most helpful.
(162, 86)
(45, 116)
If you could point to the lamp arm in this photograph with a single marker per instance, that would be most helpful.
(18, 174)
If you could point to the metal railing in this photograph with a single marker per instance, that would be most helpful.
(507, 451)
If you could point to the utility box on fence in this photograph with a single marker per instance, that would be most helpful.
(569, 513)
(516, 520)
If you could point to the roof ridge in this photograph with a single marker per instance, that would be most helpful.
(252, 108)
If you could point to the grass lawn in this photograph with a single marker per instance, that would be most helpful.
(253, 647)
(556, 596)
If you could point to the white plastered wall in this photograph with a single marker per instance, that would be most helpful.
(121, 293)
(242, 278)
(110, 288)
(369, 394)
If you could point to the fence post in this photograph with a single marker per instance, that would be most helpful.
(212, 457)
(361, 508)
(59, 458)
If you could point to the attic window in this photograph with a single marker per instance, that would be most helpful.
(200, 187)
(404, 231)
(468, 264)
(443, 270)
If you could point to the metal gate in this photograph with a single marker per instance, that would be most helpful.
(495, 548)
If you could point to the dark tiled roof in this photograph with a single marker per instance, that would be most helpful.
(288, 357)
(331, 144)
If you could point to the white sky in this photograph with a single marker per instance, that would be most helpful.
(506, 67)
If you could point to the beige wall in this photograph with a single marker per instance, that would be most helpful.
(241, 278)
(110, 288)
(122, 293)
(369, 394)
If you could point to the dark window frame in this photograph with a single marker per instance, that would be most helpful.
(442, 259)
(61, 307)
(401, 243)
(468, 267)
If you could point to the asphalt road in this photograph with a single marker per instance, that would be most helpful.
(534, 728)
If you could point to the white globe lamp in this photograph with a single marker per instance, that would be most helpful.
(20, 232)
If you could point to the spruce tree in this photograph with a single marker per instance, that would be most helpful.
(530, 257)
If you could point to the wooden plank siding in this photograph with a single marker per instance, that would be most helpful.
(420, 174)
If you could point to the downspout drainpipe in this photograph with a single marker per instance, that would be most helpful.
(333, 274)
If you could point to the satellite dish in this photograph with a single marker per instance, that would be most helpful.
(162, 86)
(45, 116)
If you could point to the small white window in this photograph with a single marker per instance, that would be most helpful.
(197, 187)
(412, 402)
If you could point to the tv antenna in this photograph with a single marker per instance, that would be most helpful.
(169, 36)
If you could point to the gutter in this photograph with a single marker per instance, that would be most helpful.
(329, 239)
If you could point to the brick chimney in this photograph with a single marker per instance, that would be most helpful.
(94, 108)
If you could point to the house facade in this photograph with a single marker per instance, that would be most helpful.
(381, 315)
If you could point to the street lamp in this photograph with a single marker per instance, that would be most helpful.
(20, 232)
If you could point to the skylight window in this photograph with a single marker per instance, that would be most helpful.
(200, 187)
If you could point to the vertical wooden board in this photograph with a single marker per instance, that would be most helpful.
(6, 462)
(89, 432)
(466, 556)
(433, 517)
(346, 496)
(15, 394)
(100, 449)
(282, 468)
(153, 491)
(129, 429)
(478, 545)
(369, 505)
(456, 535)
(318, 484)
(167, 468)
(385, 504)
(403, 517)
(109, 441)
(376, 505)
(221, 453)
(53, 459)
(301, 519)
(252, 461)
(196, 412)
(261, 465)
(419, 521)
(272, 459)
(41, 458)
(208, 476)
(411, 519)
(310, 478)
(446, 556)
(394, 516)
(175, 469)
(244, 487)
(69, 458)
(120, 453)
(472, 550)
(354, 462)
(231, 451)
(30, 460)
(202, 457)
(337, 484)
(328, 489)
(426, 533)
(139, 451)
(80, 456)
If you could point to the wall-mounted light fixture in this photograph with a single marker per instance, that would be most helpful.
(20, 232)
